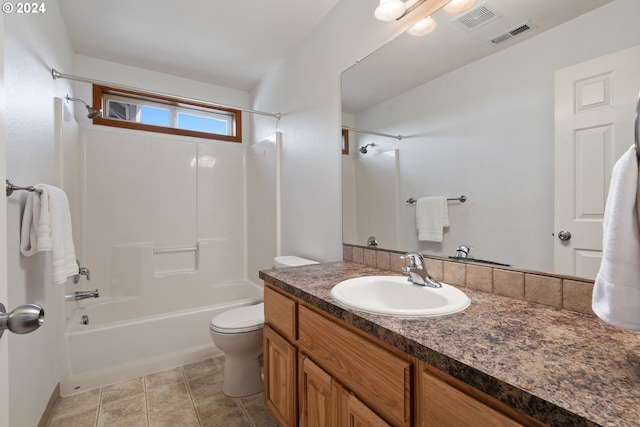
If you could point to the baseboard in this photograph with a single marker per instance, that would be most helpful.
(48, 412)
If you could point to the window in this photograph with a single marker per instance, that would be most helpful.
(345, 141)
(153, 113)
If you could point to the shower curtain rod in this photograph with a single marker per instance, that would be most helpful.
(58, 75)
(370, 132)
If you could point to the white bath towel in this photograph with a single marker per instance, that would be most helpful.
(432, 216)
(616, 294)
(46, 227)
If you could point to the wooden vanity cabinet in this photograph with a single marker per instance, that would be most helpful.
(321, 372)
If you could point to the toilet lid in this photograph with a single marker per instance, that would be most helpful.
(241, 319)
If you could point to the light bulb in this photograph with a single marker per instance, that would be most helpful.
(423, 27)
(458, 6)
(388, 10)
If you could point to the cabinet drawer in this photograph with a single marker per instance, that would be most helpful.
(379, 378)
(280, 312)
(442, 404)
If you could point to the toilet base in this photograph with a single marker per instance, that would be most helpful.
(247, 377)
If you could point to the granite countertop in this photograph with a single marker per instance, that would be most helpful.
(559, 366)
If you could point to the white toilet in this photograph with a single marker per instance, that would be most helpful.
(238, 333)
(291, 261)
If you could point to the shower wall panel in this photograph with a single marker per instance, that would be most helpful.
(154, 207)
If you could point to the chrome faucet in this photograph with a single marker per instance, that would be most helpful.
(77, 296)
(415, 263)
(462, 252)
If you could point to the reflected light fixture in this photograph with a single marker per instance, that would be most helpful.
(388, 10)
(455, 7)
(423, 27)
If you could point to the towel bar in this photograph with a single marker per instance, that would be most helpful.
(11, 188)
(460, 199)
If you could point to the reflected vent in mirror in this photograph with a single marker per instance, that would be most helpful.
(476, 17)
(512, 33)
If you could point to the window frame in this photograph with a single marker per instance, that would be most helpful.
(345, 141)
(99, 101)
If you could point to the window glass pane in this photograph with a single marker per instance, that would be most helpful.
(203, 124)
(120, 110)
(217, 126)
(154, 116)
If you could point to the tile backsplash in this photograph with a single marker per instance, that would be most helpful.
(548, 289)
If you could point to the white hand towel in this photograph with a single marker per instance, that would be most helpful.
(432, 216)
(46, 227)
(30, 221)
(616, 294)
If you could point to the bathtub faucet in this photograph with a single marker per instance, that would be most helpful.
(77, 296)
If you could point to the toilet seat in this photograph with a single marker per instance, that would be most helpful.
(238, 320)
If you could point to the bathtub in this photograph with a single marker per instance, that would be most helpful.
(131, 336)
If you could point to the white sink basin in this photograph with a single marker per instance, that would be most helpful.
(394, 295)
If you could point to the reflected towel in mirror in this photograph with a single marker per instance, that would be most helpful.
(432, 216)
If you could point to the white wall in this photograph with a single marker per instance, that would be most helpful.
(262, 168)
(306, 89)
(486, 131)
(32, 44)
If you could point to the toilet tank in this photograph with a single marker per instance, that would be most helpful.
(291, 261)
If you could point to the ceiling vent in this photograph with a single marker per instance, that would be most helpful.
(476, 17)
(515, 31)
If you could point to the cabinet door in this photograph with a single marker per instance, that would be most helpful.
(317, 396)
(280, 378)
(354, 413)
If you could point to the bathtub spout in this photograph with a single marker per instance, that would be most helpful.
(77, 296)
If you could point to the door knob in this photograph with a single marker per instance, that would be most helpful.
(564, 235)
(24, 319)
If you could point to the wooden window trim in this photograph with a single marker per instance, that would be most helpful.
(99, 91)
(345, 139)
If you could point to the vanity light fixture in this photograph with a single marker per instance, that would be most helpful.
(423, 27)
(388, 10)
(455, 7)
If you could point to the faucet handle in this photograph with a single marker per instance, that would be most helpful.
(415, 259)
(463, 251)
(82, 271)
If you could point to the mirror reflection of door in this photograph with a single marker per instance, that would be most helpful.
(595, 107)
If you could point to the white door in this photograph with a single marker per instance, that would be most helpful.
(595, 104)
(4, 350)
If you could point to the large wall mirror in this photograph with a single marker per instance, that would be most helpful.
(477, 118)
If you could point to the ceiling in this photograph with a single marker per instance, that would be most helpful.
(226, 43)
(409, 61)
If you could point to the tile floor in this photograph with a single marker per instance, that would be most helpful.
(186, 396)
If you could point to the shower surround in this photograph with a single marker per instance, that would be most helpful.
(161, 223)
